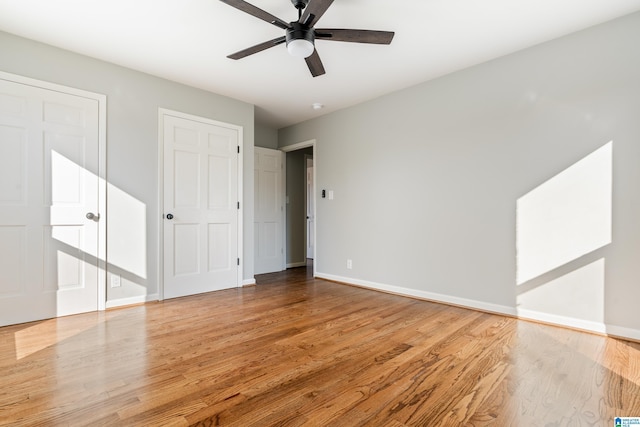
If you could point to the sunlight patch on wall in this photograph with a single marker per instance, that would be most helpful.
(578, 294)
(566, 217)
(127, 233)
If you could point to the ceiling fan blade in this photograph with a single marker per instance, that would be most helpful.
(315, 64)
(257, 48)
(355, 36)
(257, 12)
(314, 11)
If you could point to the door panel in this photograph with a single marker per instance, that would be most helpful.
(269, 211)
(13, 256)
(49, 159)
(201, 193)
(186, 179)
(13, 165)
(186, 249)
(220, 195)
(219, 245)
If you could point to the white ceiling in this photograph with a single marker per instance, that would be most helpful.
(188, 40)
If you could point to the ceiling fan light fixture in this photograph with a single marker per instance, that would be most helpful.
(300, 48)
(300, 40)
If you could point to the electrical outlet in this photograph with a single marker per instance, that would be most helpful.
(115, 281)
(349, 264)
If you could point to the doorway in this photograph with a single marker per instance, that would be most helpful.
(301, 217)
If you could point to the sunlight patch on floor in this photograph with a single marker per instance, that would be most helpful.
(48, 333)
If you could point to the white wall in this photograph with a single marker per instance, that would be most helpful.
(133, 99)
(428, 182)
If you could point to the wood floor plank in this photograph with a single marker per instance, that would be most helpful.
(299, 351)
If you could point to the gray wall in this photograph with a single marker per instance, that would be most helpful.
(133, 100)
(428, 182)
(266, 137)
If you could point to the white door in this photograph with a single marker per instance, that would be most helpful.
(201, 206)
(310, 209)
(269, 211)
(49, 146)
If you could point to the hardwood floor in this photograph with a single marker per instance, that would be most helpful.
(300, 351)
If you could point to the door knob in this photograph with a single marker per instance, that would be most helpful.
(169, 216)
(92, 216)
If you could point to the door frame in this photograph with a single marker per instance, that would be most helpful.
(101, 99)
(295, 147)
(162, 112)
(306, 201)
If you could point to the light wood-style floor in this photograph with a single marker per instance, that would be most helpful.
(300, 351)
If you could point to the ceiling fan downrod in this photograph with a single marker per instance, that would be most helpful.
(300, 4)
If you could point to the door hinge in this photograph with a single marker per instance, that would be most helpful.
(238, 205)
(238, 149)
(238, 261)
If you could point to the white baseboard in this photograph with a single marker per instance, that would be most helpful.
(622, 332)
(431, 296)
(570, 322)
(555, 319)
(249, 282)
(140, 299)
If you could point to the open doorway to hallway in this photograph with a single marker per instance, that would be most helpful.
(301, 167)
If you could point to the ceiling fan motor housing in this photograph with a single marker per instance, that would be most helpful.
(300, 32)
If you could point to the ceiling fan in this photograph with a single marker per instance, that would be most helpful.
(300, 35)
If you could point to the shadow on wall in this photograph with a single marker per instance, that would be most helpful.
(562, 227)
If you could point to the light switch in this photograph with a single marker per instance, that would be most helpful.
(330, 194)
